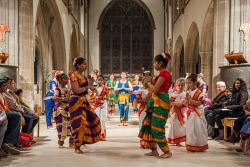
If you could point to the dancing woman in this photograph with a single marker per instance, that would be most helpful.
(153, 128)
(85, 123)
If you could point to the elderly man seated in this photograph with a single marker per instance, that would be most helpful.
(3, 128)
(217, 103)
(11, 134)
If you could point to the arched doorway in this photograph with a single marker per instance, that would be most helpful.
(50, 45)
(179, 58)
(192, 57)
(49, 30)
(126, 37)
(206, 48)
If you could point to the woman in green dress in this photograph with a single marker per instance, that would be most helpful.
(157, 109)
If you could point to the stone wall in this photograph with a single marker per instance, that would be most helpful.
(9, 16)
(26, 50)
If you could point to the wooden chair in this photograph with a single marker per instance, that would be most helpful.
(38, 110)
(228, 122)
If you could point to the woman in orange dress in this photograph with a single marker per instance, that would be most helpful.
(85, 123)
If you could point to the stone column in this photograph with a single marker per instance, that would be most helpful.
(206, 68)
(26, 50)
(189, 66)
(220, 38)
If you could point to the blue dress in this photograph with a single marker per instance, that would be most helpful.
(49, 102)
(123, 101)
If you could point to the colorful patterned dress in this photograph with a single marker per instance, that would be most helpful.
(62, 116)
(112, 100)
(123, 101)
(136, 86)
(84, 122)
(207, 101)
(153, 128)
(142, 98)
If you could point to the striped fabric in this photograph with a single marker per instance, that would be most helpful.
(62, 119)
(153, 128)
(84, 122)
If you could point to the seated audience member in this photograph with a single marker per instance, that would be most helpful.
(234, 108)
(245, 137)
(219, 99)
(27, 110)
(218, 102)
(30, 119)
(238, 124)
(11, 136)
(3, 128)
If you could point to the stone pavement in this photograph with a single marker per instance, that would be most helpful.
(121, 149)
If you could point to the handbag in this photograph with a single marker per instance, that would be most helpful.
(25, 139)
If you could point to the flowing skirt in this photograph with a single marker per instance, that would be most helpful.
(101, 112)
(62, 119)
(153, 128)
(196, 139)
(112, 100)
(84, 122)
(177, 131)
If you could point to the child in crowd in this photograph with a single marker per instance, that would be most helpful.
(61, 111)
(100, 104)
(142, 97)
(177, 132)
(136, 84)
(196, 132)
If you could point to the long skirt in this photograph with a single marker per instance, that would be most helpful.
(101, 112)
(153, 128)
(196, 139)
(112, 100)
(177, 131)
(62, 119)
(143, 143)
(84, 122)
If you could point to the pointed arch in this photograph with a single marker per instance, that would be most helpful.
(179, 58)
(126, 36)
(142, 4)
(50, 29)
(74, 47)
(192, 57)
